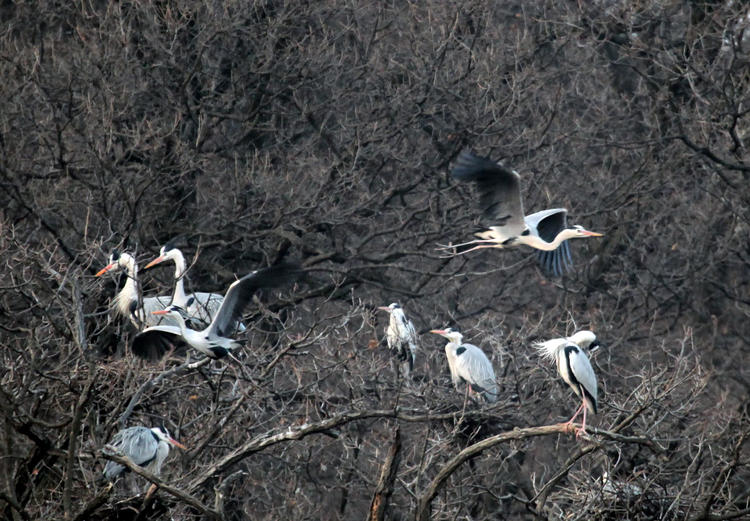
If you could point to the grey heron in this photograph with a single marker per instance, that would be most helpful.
(214, 341)
(203, 306)
(127, 299)
(575, 369)
(147, 448)
(401, 336)
(469, 364)
(500, 199)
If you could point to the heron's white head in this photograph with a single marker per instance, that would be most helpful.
(174, 310)
(164, 436)
(118, 261)
(585, 338)
(580, 231)
(168, 252)
(450, 334)
(390, 308)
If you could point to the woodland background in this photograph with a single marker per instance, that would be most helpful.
(323, 132)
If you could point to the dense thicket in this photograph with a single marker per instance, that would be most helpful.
(323, 132)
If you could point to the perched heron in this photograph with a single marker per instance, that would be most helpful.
(469, 364)
(401, 336)
(127, 299)
(215, 340)
(575, 368)
(147, 448)
(203, 306)
(500, 199)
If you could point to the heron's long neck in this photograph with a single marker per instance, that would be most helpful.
(129, 291)
(540, 244)
(179, 287)
(181, 324)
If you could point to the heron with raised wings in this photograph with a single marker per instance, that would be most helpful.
(203, 305)
(401, 336)
(216, 340)
(501, 203)
(147, 448)
(469, 364)
(128, 301)
(575, 369)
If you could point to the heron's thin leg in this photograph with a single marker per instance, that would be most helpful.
(578, 411)
(480, 247)
(451, 246)
(582, 430)
(466, 398)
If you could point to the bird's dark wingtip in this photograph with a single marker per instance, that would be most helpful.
(556, 263)
(152, 347)
(468, 165)
(278, 274)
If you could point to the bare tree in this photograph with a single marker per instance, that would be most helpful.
(257, 132)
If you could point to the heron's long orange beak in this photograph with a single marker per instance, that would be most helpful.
(593, 234)
(177, 444)
(384, 308)
(160, 312)
(105, 269)
(154, 262)
(438, 331)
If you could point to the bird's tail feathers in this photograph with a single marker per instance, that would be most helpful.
(589, 402)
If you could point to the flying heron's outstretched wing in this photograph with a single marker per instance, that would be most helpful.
(499, 191)
(241, 291)
(154, 342)
(547, 224)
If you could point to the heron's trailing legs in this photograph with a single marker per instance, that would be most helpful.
(481, 244)
(469, 243)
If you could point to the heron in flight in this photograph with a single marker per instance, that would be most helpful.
(147, 448)
(575, 369)
(127, 299)
(203, 306)
(500, 200)
(215, 341)
(469, 364)
(401, 336)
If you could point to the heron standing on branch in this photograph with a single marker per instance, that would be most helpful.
(401, 337)
(203, 306)
(575, 368)
(215, 341)
(127, 299)
(147, 448)
(500, 199)
(469, 364)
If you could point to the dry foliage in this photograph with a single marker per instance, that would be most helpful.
(322, 132)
